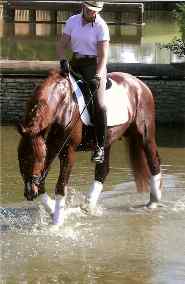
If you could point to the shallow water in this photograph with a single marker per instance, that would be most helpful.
(129, 43)
(123, 242)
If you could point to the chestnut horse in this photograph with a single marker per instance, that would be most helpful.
(53, 127)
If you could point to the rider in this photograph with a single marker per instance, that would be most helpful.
(87, 35)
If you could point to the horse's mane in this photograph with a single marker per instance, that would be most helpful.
(37, 107)
(54, 74)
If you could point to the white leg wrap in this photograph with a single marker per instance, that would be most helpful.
(155, 183)
(47, 202)
(94, 193)
(58, 217)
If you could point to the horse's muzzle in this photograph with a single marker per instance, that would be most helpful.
(30, 191)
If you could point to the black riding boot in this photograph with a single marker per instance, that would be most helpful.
(101, 135)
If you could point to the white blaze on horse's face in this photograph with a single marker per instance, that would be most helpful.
(30, 168)
(31, 190)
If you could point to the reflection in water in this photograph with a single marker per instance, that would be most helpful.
(123, 243)
(129, 43)
(147, 53)
(21, 29)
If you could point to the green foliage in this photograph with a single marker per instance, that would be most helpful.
(177, 46)
(180, 17)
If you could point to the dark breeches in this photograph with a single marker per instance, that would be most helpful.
(86, 67)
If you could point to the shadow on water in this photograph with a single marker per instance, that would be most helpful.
(129, 42)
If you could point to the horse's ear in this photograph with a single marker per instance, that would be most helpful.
(21, 129)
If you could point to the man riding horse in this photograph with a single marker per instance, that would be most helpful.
(87, 35)
(53, 123)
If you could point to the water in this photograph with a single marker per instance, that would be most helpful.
(121, 243)
(129, 43)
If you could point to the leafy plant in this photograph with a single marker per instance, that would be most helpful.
(180, 17)
(177, 46)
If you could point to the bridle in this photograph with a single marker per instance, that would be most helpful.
(38, 179)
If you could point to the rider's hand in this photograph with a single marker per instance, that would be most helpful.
(64, 66)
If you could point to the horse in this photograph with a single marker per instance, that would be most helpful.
(53, 127)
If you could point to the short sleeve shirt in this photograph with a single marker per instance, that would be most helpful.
(84, 38)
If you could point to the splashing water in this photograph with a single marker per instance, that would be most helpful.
(95, 249)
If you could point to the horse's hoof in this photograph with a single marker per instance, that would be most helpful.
(58, 222)
(85, 208)
(153, 205)
(91, 210)
(54, 228)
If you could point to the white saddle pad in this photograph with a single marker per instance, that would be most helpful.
(117, 104)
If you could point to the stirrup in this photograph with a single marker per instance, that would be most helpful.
(98, 155)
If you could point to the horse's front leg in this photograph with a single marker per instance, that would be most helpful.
(101, 172)
(67, 159)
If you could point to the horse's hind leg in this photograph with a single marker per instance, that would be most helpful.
(101, 172)
(153, 160)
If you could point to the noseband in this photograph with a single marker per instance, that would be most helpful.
(36, 180)
(29, 193)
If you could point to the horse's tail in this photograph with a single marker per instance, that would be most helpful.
(138, 162)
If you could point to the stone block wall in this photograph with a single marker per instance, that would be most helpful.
(14, 94)
(169, 97)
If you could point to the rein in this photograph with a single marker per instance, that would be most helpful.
(38, 179)
(75, 122)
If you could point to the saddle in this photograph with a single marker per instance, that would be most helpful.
(87, 93)
(117, 103)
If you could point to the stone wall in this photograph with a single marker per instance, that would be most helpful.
(169, 97)
(14, 93)
(170, 100)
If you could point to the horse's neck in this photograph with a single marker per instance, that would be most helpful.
(53, 103)
(62, 99)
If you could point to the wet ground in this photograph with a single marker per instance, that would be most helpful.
(123, 242)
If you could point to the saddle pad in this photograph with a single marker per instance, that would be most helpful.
(117, 104)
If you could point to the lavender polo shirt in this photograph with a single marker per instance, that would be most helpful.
(84, 38)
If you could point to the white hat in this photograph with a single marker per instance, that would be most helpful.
(96, 6)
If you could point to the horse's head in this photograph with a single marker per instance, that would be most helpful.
(46, 106)
(32, 149)
(31, 156)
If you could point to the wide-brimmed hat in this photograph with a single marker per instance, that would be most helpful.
(96, 6)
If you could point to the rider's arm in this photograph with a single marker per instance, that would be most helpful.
(63, 44)
(102, 56)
